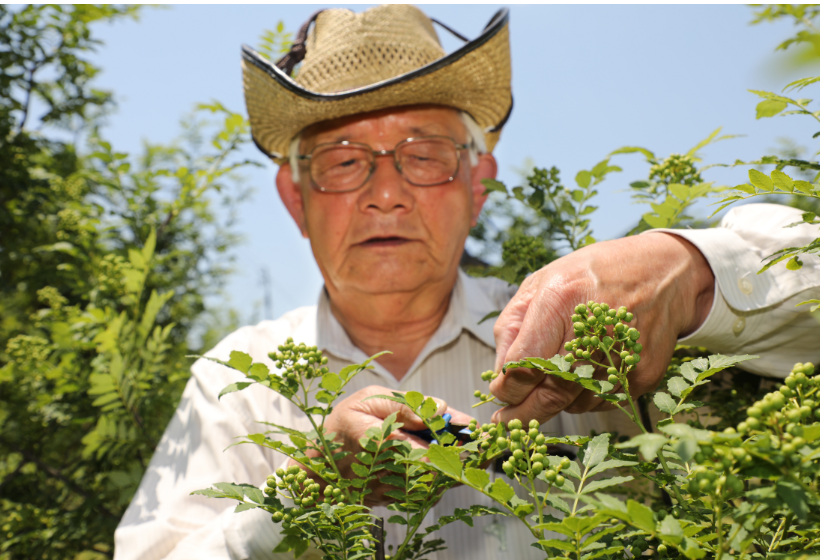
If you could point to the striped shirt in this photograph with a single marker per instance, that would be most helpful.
(164, 522)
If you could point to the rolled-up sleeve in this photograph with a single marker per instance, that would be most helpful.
(758, 313)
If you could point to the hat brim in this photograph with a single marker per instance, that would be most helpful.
(475, 78)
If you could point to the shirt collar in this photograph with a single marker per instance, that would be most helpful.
(469, 303)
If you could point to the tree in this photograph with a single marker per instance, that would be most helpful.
(105, 263)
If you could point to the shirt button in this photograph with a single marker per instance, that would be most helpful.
(739, 325)
(745, 286)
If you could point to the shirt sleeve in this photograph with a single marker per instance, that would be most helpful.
(755, 313)
(164, 521)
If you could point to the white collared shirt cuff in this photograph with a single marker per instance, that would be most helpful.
(753, 313)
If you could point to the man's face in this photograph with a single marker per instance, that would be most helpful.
(389, 236)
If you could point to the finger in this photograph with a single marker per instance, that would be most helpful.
(508, 324)
(545, 401)
(541, 334)
(458, 417)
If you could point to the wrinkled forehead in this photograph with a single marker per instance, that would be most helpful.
(387, 125)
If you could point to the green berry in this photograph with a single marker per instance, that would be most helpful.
(559, 480)
(613, 379)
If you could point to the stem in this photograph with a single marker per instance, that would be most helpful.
(637, 421)
(719, 527)
(578, 492)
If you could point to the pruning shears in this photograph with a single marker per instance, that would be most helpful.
(460, 431)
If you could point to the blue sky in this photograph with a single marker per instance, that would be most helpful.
(586, 80)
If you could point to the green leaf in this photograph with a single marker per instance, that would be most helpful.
(446, 459)
(761, 180)
(665, 403)
(671, 530)
(648, 444)
(360, 470)
(477, 478)
(686, 449)
(782, 181)
(640, 515)
(232, 388)
(596, 450)
(795, 497)
(794, 263)
(258, 372)
(558, 503)
(611, 464)
(655, 221)
(492, 185)
(635, 149)
(677, 385)
(680, 191)
(811, 432)
(769, 108)
(814, 307)
(240, 361)
(414, 399)
(428, 408)
(331, 382)
(583, 179)
(500, 490)
(488, 316)
(605, 483)
(560, 545)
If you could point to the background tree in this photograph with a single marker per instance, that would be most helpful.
(106, 261)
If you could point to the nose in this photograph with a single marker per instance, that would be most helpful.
(386, 190)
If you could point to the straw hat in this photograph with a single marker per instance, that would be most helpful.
(387, 56)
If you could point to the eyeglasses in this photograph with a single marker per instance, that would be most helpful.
(426, 161)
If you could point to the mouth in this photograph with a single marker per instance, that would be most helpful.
(391, 241)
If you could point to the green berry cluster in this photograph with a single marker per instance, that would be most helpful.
(597, 326)
(306, 493)
(527, 446)
(781, 414)
(718, 484)
(676, 168)
(772, 433)
(525, 251)
(296, 363)
(488, 375)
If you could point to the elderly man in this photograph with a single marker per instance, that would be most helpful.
(383, 143)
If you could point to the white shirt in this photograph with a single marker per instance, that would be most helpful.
(164, 522)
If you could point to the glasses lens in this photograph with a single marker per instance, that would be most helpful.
(428, 161)
(340, 168)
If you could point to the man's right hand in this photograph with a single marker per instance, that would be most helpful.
(352, 417)
(661, 278)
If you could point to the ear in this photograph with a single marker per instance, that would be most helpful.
(291, 194)
(485, 169)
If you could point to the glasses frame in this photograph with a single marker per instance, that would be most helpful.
(377, 153)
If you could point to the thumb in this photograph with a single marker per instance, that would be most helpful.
(508, 325)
